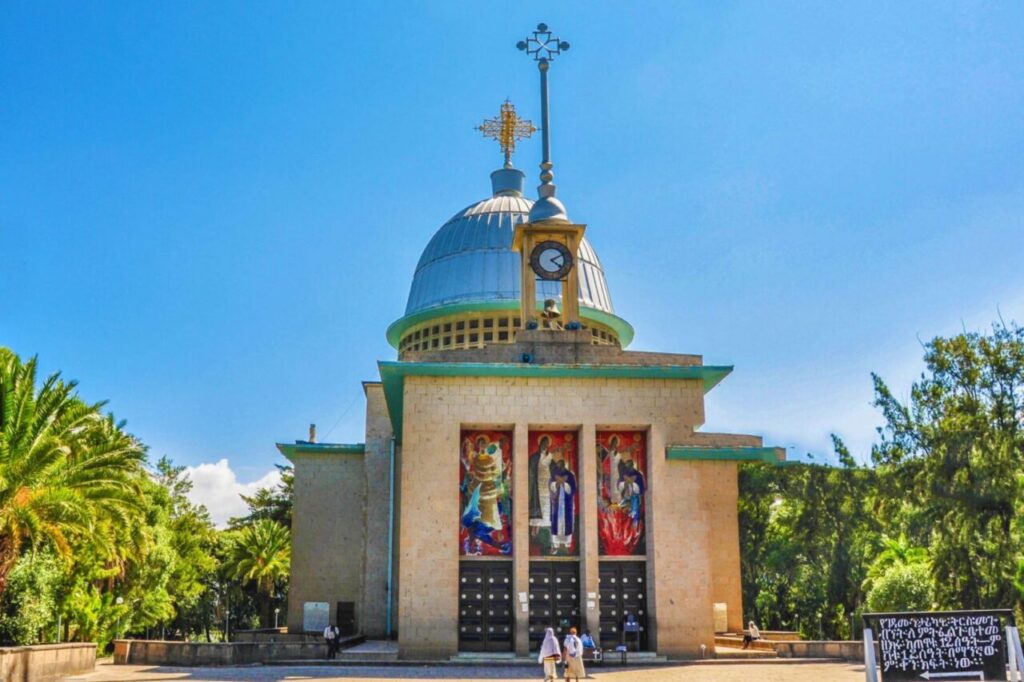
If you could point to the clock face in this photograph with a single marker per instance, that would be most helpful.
(551, 260)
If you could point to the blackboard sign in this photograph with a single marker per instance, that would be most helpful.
(946, 646)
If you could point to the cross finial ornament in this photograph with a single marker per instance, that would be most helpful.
(507, 128)
(542, 46)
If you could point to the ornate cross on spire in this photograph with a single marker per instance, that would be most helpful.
(506, 128)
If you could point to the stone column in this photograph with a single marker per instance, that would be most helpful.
(587, 485)
(521, 535)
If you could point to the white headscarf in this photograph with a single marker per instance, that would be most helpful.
(549, 647)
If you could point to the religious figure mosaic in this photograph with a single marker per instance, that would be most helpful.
(485, 492)
(622, 492)
(554, 496)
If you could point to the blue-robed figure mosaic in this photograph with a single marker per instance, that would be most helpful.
(553, 494)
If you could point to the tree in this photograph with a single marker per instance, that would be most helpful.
(261, 554)
(902, 587)
(957, 450)
(64, 467)
(270, 503)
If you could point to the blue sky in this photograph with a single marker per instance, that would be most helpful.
(210, 212)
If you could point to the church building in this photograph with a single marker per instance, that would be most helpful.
(521, 469)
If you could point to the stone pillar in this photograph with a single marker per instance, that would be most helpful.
(521, 535)
(589, 557)
(377, 460)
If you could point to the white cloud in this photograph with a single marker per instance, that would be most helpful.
(217, 487)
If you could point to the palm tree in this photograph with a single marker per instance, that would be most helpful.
(65, 468)
(894, 552)
(261, 554)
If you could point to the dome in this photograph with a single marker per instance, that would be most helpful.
(471, 258)
(469, 266)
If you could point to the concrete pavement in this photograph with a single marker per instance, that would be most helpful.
(709, 671)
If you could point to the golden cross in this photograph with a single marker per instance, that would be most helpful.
(506, 129)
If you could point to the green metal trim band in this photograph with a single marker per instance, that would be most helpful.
(289, 450)
(623, 329)
(740, 454)
(393, 375)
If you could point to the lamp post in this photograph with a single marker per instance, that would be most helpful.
(276, 611)
(118, 601)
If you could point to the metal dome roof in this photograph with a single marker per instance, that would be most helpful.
(470, 259)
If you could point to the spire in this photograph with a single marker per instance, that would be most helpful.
(544, 47)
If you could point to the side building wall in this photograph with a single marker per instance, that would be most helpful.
(328, 533)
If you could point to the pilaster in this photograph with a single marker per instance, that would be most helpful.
(589, 555)
(521, 535)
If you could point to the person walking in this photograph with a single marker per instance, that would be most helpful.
(331, 636)
(549, 655)
(751, 635)
(573, 656)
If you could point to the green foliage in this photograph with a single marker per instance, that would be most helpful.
(90, 535)
(270, 503)
(937, 520)
(902, 587)
(30, 601)
(64, 467)
(261, 554)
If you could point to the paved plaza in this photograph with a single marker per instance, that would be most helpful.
(774, 671)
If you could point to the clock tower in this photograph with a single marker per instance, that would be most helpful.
(548, 251)
(548, 244)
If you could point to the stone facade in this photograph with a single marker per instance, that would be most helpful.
(343, 511)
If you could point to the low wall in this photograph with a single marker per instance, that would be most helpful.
(281, 635)
(150, 652)
(46, 662)
(780, 635)
(736, 642)
(845, 650)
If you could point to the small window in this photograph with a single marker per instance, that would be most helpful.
(435, 330)
(447, 340)
(488, 336)
(435, 342)
(502, 336)
(447, 327)
(474, 338)
(459, 326)
(515, 322)
(503, 322)
(488, 323)
(460, 339)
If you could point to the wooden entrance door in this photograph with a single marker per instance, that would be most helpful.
(554, 599)
(485, 606)
(623, 587)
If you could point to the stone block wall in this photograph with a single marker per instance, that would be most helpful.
(156, 652)
(46, 662)
(693, 541)
(328, 533)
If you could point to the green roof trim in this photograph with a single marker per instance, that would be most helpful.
(393, 373)
(775, 456)
(289, 450)
(623, 329)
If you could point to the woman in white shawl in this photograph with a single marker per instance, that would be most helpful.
(549, 655)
